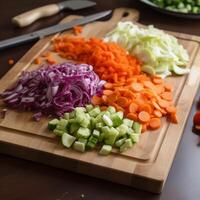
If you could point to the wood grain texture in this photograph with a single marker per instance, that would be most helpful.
(145, 166)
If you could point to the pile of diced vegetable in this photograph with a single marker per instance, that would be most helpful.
(88, 127)
(184, 6)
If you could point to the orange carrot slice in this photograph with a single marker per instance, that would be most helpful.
(167, 96)
(137, 87)
(133, 107)
(155, 123)
(144, 117)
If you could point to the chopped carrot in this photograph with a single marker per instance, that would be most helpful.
(104, 108)
(96, 100)
(171, 109)
(133, 107)
(157, 80)
(112, 97)
(50, 60)
(155, 123)
(173, 118)
(144, 128)
(163, 103)
(108, 85)
(107, 92)
(144, 117)
(11, 61)
(137, 87)
(123, 101)
(104, 98)
(168, 87)
(157, 113)
(77, 29)
(132, 116)
(167, 96)
(145, 107)
(37, 61)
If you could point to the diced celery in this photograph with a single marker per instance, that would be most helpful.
(94, 112)
(96, 133)
(80, 115)
(85, 122)
(89, 107)
(99, 125)
(130, 131)
(66, 116)
(58, 132)
(83, 132)
(83, 140)
(128, 122)
(93, 139)
(120, 114)
(90, 145)
(107, 120)
(79, 146)
(73, 128)
(67, 140)
(135, 137)
(119, 142)
(102, 136)
(117, 121)
(52, 124)
(111, 136)
(111, 109)
(105, 129)
(62, 124)
(137, 127)
(105, 150)
(127, 144)
(80, 109)
(122, 129)
(72, 115)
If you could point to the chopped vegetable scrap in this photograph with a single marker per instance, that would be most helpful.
(88, 127)
(77, 30)
(54, 90)
(144, 99)
(160, 53)
(11, 61)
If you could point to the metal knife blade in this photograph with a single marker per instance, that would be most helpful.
(76, 5)
(51, 30)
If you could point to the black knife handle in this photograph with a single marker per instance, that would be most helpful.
(17, 41)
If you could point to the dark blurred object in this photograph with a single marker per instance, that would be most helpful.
(171, 12)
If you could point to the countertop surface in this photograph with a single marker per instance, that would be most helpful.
(24, 180)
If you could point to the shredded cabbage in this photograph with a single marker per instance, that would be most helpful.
(54, 90)
(160, 52)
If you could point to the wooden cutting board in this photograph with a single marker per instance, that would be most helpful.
(144, 166)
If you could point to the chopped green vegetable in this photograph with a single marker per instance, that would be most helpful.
(105, 150)
(67, 140)
(52, 124)
(85, 128)
(79, 146)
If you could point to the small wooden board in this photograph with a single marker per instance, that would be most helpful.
(145, 166)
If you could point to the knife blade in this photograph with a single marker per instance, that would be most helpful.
(29, 17)
(51, 30)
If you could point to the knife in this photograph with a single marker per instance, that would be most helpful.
(29, 17)
(50, 30)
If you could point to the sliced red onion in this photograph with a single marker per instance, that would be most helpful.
(54, 90)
